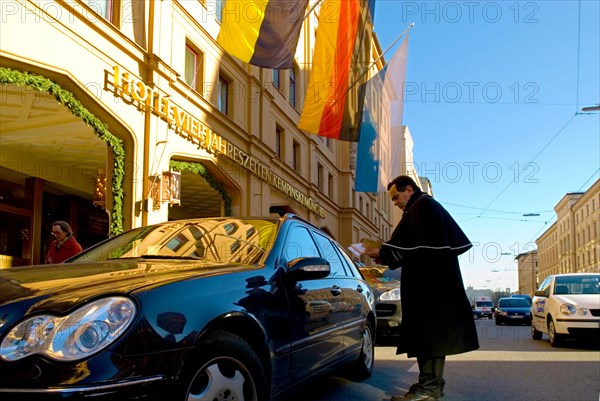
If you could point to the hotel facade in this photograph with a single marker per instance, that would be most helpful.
(121, 113)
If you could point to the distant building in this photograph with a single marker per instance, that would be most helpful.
(473, 293)
(572, 243)
(527, 272)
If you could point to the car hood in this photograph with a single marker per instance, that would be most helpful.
(380, 288)
(580, 300)
(58, 287)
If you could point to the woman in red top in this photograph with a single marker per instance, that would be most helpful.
(64, 246)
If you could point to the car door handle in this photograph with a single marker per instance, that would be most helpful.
(335, 290)
(359, 288)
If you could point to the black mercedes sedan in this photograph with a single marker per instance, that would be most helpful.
(203, 309)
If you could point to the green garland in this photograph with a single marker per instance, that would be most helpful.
(39, 83)
(199, 169)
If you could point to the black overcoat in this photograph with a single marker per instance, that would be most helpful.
(437, 318)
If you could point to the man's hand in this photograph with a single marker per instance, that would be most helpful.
(373, 253)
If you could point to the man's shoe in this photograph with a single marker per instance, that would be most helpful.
(414, 396)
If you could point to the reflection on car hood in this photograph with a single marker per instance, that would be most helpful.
(379, 288)
(581, 300)
(73, 282)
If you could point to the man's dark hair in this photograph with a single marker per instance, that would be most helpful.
(64, 226)
(401, 182)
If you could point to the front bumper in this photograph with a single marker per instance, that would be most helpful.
(578, 327)
(126, 389)
(516, 319)
(389, 319)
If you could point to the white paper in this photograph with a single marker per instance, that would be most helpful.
(357, 249)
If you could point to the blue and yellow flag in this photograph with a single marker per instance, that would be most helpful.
(380, 132)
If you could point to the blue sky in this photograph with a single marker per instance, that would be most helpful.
(493, 88)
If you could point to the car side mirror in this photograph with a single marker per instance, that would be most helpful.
(308, 268)
(540, 294)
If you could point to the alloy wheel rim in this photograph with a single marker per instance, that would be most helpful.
(223, 379)
(368, 350)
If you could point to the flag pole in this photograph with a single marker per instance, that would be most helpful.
(312, 8)
(381, 55)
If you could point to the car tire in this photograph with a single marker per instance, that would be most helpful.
(362, 368)
(535, 334)
(498, 322)
(225, 364)
(556, 340)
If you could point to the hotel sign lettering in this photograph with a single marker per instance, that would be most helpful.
(187, 126)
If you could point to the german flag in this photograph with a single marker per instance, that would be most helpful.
(264, 33)
(333, 104)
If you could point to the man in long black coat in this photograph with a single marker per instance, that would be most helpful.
(437, 318)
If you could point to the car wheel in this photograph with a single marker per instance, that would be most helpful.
(362, 368)
(535, 334)
(227, 369)
(555, 338)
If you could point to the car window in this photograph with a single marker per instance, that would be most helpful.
(329, 252)
(299, 243)
(347, 262)
(545, 286)
(513, 303)
(213, 240)
(579, 284)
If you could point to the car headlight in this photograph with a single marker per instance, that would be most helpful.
(81, 333)
(390, 295)
(583, 311)
(568, 309)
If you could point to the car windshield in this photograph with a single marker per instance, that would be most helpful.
(576, 285)
(214, 240)
(513, 303)
(484, 303)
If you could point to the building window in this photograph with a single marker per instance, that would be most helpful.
(105, 8)
(276, 81)
(330, 186)
(296, 157)
(193, 66)
(278, 141)
(219, 10)
(320, 177)
(224, 98)
(292, 87)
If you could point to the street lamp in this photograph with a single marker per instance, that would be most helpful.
(591, 108)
